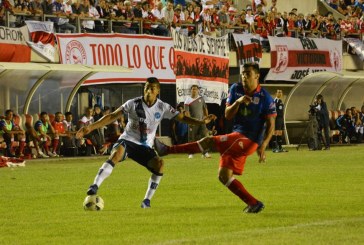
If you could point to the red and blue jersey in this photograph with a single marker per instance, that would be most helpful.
(250, 119)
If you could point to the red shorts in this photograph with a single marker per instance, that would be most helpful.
(234, 149)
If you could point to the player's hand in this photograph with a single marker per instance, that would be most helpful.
(82, 131)
(209, 118)
(261, 155)
(244, 99)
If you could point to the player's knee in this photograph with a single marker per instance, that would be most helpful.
(156, 164)
(223, 179)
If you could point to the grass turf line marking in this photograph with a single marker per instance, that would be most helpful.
(267, 230)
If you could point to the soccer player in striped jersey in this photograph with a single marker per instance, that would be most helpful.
(144, 116)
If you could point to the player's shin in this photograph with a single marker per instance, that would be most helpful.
(104, 172)
(152, 185)
(236, 187)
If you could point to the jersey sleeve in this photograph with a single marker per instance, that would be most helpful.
(169, 111)
(231, 98)
(269, 106)
(127, 106)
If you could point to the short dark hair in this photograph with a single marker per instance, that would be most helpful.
(7, 112)
(255, 66)
(320, 97)
(194, 86)
(68, 113)
(43, 113)
(153, 80)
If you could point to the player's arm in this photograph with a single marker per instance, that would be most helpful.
(190, 120)
(232, 109)
(270, 122)
(105, 120)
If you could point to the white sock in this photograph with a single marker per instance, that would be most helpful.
(104, 172)
(152, 185)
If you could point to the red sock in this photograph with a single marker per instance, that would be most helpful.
(238, 189)
(185, 148)
(55, 144)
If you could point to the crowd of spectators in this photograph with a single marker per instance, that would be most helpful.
(212, 17)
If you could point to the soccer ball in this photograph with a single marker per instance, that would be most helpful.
(93, 203)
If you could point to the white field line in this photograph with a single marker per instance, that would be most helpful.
(267, 230)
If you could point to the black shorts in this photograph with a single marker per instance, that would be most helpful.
(279, 125)
(139, 153)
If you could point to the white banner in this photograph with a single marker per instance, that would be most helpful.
(202, 61)
(147, 56)
(294, 58)
(249, 48)
(42, 38)
(357, 45)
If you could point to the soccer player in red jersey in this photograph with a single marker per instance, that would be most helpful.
(254, 112)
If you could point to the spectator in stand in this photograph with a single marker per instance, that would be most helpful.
(279, 25)
(250, 18)
(124, 13)
(342, 8)
(47, 7)
(104, 12)
(35, 7)
(89, 11)
(160, 29)
(77, 8)
(47, 134)
(224, 20)
(168, 13)
(10, 132)
(334, 4)
(180, 2)
(62, 23)
(241, 22)
(177, 19)
(255, 4)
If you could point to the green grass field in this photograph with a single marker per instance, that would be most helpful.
(310, 198)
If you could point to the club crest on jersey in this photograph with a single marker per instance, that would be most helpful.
(256, 100)
(157, 115)
(223, 138)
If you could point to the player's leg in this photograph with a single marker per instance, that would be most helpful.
(203, 145)
(155, 165)
(234, 152)
(117, 154)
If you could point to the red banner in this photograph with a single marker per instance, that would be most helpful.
(13, 47)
